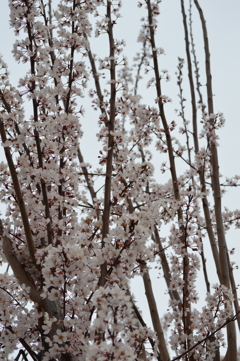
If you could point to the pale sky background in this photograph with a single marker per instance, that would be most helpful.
(223, 25)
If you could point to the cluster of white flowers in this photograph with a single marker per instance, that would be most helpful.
(211, 123)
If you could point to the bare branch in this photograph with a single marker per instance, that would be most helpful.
(154, 314)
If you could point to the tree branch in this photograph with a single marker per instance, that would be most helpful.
(225, 278)
(154, 314)
(18, 192)
(108, 179)
(22, 276)
(207, 338)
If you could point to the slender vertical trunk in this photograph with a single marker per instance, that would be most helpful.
(186, 304)
(154, 315)
(231, 354)
(108, 179)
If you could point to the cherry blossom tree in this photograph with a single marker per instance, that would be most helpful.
(75, 235)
